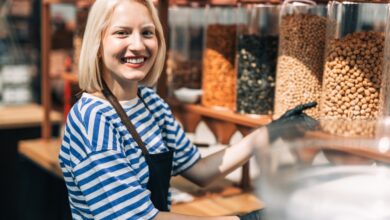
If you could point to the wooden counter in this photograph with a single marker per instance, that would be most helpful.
(44, 153)
(22, 116)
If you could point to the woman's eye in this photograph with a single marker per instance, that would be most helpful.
(121, 33)
(148, 33)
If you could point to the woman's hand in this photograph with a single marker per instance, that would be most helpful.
(293, 123)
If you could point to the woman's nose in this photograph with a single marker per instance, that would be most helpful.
(136, 42)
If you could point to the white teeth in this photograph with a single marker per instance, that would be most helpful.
(135, 60)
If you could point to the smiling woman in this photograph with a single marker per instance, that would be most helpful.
(121, 142)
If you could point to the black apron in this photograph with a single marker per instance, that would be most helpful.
(160, 165)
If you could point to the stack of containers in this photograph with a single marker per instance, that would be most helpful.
(219, 74)
(354, 66)
(16, 84)
(257, 49)
(301, 55)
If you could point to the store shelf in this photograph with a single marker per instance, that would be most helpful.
(349, 146)
(21, 116)
(222, 123)
(44, 153)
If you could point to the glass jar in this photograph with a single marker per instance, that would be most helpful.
(354, 64)
(178, 68)
(219, 75)
(257, 50)
(326, 178)
(300, 60)
(186, 41)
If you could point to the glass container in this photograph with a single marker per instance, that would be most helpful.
(326, 178)
(184, 67)
(257, 50)
(300, 59)
(178, 67)
(354, 64)
(219, 74)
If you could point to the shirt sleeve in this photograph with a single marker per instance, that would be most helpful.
(111, 188)
(186, 154)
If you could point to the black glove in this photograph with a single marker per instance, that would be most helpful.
(293, 123)
(254, 215)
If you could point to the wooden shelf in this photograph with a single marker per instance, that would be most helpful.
(22, 116)
(222, 123)
(346, 147)
(191, 114)
(44, 153)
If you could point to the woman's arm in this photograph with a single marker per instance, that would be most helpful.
(221, 163)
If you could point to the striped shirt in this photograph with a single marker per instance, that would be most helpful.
(103, 167)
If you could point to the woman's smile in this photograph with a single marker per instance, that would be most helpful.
(135, 61)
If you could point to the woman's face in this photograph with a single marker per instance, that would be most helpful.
(129, 45)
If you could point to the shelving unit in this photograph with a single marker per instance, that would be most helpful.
(41, 150)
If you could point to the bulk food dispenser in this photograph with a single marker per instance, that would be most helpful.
(354, 66)
(301, 50)
(257, 49)
(219, 75)
(184, 66)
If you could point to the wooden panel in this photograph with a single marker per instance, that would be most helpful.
(219, 206)
(22, 116)
(44, 153)
(224, 115)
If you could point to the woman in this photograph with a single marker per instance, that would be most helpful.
(121, 142)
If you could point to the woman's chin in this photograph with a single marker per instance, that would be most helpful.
(134, 76)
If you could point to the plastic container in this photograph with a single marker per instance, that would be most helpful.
(219, 74)
(326, 178)
(354, 63)
(186, 43)
(257, 49)
(300, 60)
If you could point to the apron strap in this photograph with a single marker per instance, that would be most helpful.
(123, 116)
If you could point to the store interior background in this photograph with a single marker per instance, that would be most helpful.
(29, 191)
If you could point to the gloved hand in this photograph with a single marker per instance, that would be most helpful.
(293, 123)
(254, 215)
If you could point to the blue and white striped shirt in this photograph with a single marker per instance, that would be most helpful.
(103, 167)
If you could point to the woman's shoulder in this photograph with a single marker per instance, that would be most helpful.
(89, 106)
(151, 97)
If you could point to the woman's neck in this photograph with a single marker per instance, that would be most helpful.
(123, 91)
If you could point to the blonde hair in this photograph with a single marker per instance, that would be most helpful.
(98, 20)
